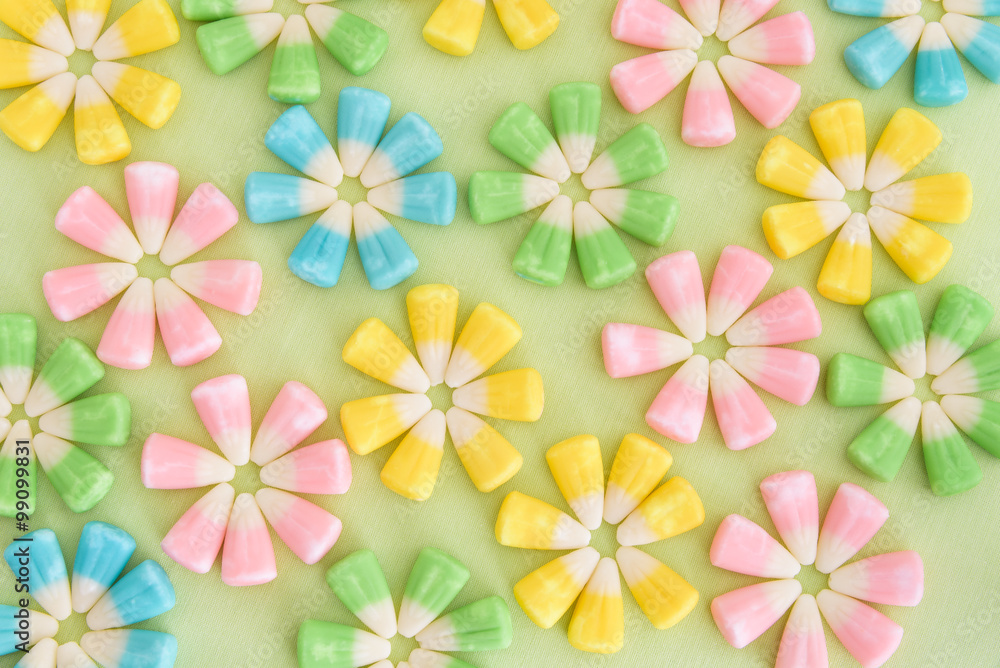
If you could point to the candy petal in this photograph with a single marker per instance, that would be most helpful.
(891, 579)
(101, 556)
(43, 654)
(788, 317)
(323, 644)
(879, 450)
(70, 654)
(247, 554)
(961, 316)
(47, 579)
(598, 622)
(297, 139)
(374, 350)
(413, 467)
(951, 468)
(875, 8)
(679, 408)
(409, 145)
(977, 40)
(739, 277)
(642, 82)
(738, 15)
(69, 372)
(839, 128)
(227, 44)
(274, 197)
(233, 285)
(425, 198)
(548, 592)
(212, 10)
(487, 336)
(854, 517)
(906, 141)
(671, 510)
(653, 25)
(454, 26)
(18, 441)
(868, 635)
(788, 168)
(361, 118)
(973, 7)
(120, 648)
(151, 188)
(521, 136)
(102, 419)
(704, 14)
(91, 222)
(978, 418)
(792, 503)
(187, 334)
(793, 228)
(371, 423)
(496, 196)
(578, 471)
(293, 415)
(918, 250)
(648, 216)
(39, 21)
(528, 523)
(148, 26)
(875, 56)
(896, 322)
(385, 255)
(664, 596)
(604, 259)
(855, 381)
(319, 256)
(294, 77)
(639, 466)
(741, 546)
(356, 44)
(434, 582)
(784, 40)
(944, 198)
(488, 458)
(31, 119)
(205, 216)
(480, 626)
(576, 116)
(543, 256)
(73, 292)
(527, 23)
(939, 80)
(768, 96)
(676, 282)
(511, 395)
(171, 463)
(632, 350)
(976, 372)
(635, 155)
(28, 64)
(743, 418)
(788, 374)
(744, 614)
(141, 594)
(846, 276)
(708, 116)
(196, 538)
(802, 642)
(320, 468)
(149, 97)
(223, 404)
(127, 342)
(432, 311)
(358, 581)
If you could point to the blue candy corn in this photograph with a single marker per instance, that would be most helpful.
(361, 118)
(939, 80)
(297, 139)
(131, 648)
(272, 197)
(873, 58)
(39, 553)
(408, 146)
(425, 198)
(319, 256)
(385, 256)
(14, 624)
(882, 8)
(143, 592)
(978, 41)
(973, 7)
(101, 556)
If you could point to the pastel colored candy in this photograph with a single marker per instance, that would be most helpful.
(206, 215)
(648, 216)
(743, 418)
(802, 642)
(521, 136)
(543, 256)
(227, 44)
(943, 198)
(496, 196)
(794, 228)
(223, 404)
(788, 317)
(547, 593)
(432, 311)
(875, 56)
(100, 135)
(31, 119)
(151, 98)
(358, 581)
(527, 23)
(670, 510)
(978, 371)
(875, 8)
(454, 26)
(854, 517)
(294, 77)
(477, 627)
(319, 256)
(28, 64)
(151, 188)
(409, 145)
(770, 97)
(385, 255)
(361, 118)
(127, 342)
(663, 595)
(635, 155)
(528, 523)
(678, 410)
(916, 249)
(41, 629)
(604, 259)
(741, 546)
(70, 654)
(740, 276)
(631, 350)
(425, 198)
(273, 197)
(295, 413)
(320, 468)
(102, 419)
(906, 141)
(488, 458)
(846, 276)
(170, 463)
(579, 472)
(124, 647)
(195, 539)
(977, 40)
(939, 79)
(788, 374)
(895, 320)
(486, 337)
(703, 14)
(738, 15)
(46, 575)
(40, 22)
(233, 285)
(435, 580)
(792, 503)
(653, 25)
(142, 593)
(744, 614)
(642, 82)
(86, 218)
(371, 423)
(511, 395)
(576, 116)
(376, 351)
(147, 26)
(71, 370)
(212, 10)
(325, 644)
(9, 465)
(974, 7)
(72, 292)
(879, 450)
(356, 44)
(638, 468)
(187, 333)
(896, 578)
(839, 128)
(978, 418)
(960, 317)
(951, 468)
(247, 553)
(788, 168)
(868, 635)
(598, 621)
(676, 282)
(708, 115)
(101, 556)
(297, 139)
(79, 479)
(784, 40)
(855, 381)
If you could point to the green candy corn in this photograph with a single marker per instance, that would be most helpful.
(480, 626)
(359, 583)
(879, 450)
(978, 418)
(70, 371)
(356, 44)
(104, 419)
(647, 216)
(294, 70)
(635, 155)
(976, 372)
(951, 467)
(961, 316)
(544, 254)
(212, 10)
(495, 196)
(329, 645)
(11, 491)
(521, 136)
(434, 582)
(604, 259)
(227, 44)
(78, 478)
(18, 338)
(423, 658)
(576, 115)
(895, 320)
(855, 381)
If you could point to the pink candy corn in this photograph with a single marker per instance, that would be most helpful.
(677, 285)
(247, 554)
(868, 635)
(793, 505)
(744, 614)
(230, 284)
(223, 404)
(151, 188)
(803, 644)
(708, 116)
(743, 418)
(854, 517)
(90, 221)
(206, 216)
(788, 317)
(896, 578)
(642, 82)
(788, 374)
(770, 97)
(739, 277)
(679, 409)
(320, 468)
(308, 530)
(187, 333)
(127, 342)
(652, 24)
(784, 40)
(171, 463)
(631, 350)
(738, 15)
(741, 546)
(704, 14)
(196, 538)
(76, 291)
(294, 414)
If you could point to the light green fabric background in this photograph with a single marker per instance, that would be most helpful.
(298, 331)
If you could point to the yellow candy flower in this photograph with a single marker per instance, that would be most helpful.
(454, 26)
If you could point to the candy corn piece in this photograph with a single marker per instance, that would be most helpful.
(944, 198)
(233, 285)
(100, 135)
(196, 538)
(433, 310)
(578, 471)
(792, 503)
(206, 215)
(642, 82)
(654, 25)
(28, 64)
(788, 374)
(961, 316)
(788, 317)
(101, 556)
(212, 10)
(294, 77)
(40, 22)
(632, 350)
(768, 96)
(454, 26)
(294, 414)
(738, 15)
(18, 453)
(895, 320)
(422, 658)
(743, 418)
(875, 56)
(976, 372)
(784, 40)
(648, 216)
(793, 228)
(320, 468)
(978, 418)
(974, 7)
(297, 139)
(635, 155)
(41, 629)
(319, 256)
(409, 145)
(123, 647)
(325, 644)
(839, 128)
(788, 168)
(879, 450)
(604, 259)
(247, 553)
(359, 583)
(678, 410)
(868, 635)
(739, 277)
(91, 222)
(521, 136)
(548, 592)
(148, 26)
(70, 654)
(385, 255)
(951, 468)
(487, 336)
(274, 197)
(356, 44)
(481, 626)
(671, 510)
(71, 370)
(918, 250)
(187, 334)
(708, 116)
(223, 404)
(526, 522)
(676, 282)
(371, 423)
(47, 578)
(846, 276)
(511, 395)
(664, 596)
(31, 119)
(744, 614)
(170, 463)
(149, 97)
(939, 81)
(853, 518)
(127, 342)
(374, 350)
(598, 621)
(425, 198)
(576, 115)
(855, 381)
(638, 467)
(227, 44)
(527, 23)
(361, 118)
(77, 477)
(543, 256)
(741, 546)
(976, 40)
(496, 196)
(151, 188)
(72, 292)
(906, 141)
(878, 8)
(703, 14)
(896, 578)
(18, 339)
(434, 582)
(802, 641)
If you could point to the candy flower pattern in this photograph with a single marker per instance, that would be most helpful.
(382, 164)
(111, 601)
(853, 519)
(188, 335)
(31, 119)
(454, 26)
(644, 513)
(223, 404)
(679, 409)
(436, 579)
(839, 128)
(488, 335)
(101, 419)
(708, 116)
(544, 254)
(879, 450)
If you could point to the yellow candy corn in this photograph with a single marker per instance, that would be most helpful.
(945, 198)
(672, 509)
(846, 276)
(918, 250)
(579, 472)
(526, 522)
(149, 97)
(488, 458)
(39, 21)
(454, 26)
(527, 22)
(793, 228)
(375, 350)
(787, 167)
(86, 19)
(546, 594)
(433, 310)
(665, 597)
(598, 622)
(488, 335)
(512, 395)
(149, 26)
(638, 468)
(412, 470)
(25, 64)
(31, 119)
(906, 141)
(839, 128)
(371, 423)
(100, 135)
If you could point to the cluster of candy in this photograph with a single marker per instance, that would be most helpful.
(454, 26)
